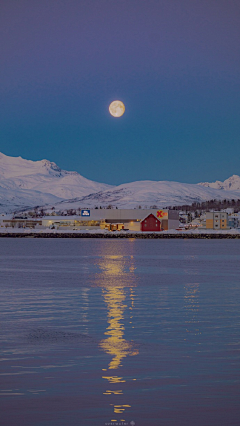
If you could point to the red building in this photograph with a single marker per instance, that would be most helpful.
(150, 223)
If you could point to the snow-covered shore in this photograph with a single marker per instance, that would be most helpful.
(48, 233)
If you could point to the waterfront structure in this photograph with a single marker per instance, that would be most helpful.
(93, 219)
(233, 221)
(115, 219)
(20, 223)
(216, 220)
(150, 223)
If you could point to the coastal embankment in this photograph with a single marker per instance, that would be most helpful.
(121, 235)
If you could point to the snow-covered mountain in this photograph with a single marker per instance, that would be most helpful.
(17, 199)
(25, 184)
(29, 183)
(232, 184)
(147, 194)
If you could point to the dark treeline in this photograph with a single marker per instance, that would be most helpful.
(209, 205)
(197, 207)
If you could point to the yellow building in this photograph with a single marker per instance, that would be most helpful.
(216, 220)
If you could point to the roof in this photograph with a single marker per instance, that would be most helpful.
(151, 214)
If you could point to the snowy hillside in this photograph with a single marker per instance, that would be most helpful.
(232, 184)
(147, 194)
(30, 183)
(17, 199)
(25, 184)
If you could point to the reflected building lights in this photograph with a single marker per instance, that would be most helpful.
(114, 379)
(115, 276)
(115, 344)
(114, 294)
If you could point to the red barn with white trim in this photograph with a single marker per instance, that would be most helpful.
(151, 224)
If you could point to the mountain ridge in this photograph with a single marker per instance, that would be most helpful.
(27, 183)
(41, 177)
(148, 194)
(232, 183)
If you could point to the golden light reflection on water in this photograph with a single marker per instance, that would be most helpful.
(113, 392)
(114, 379)
(115, 344)
(117, 281)
(119, 409)
(115, 294)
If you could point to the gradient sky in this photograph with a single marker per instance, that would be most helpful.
(175, 65)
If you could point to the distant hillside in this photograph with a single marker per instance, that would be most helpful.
(25, 184)
(29, 183)
(148, 194)
(230, 184)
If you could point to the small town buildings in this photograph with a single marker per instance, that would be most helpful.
(110, 219)
(151, 224)
(20, 223)
(216, 220)
(234, 220)
(114, 219)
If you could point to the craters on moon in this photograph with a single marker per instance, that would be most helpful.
(117, 108)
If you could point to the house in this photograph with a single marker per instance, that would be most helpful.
(111, 219)
(151, 224)
(216, 220)
(233, 220)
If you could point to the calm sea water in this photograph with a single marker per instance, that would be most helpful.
(100, 332)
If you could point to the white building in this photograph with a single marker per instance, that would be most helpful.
(216, 220)
(113, 219)
(234, 220)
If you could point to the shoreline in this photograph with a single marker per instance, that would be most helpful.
(118, 235)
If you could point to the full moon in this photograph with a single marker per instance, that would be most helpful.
(117, 108)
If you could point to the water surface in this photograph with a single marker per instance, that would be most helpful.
(95, 332)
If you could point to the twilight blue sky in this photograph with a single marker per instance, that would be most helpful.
(175, 65)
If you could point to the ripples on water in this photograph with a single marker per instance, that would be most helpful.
(95, 332)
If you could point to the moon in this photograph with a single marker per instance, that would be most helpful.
(117, 108)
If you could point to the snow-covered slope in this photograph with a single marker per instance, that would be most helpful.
(25, 184)
(147, 194)
(232, 184)
(39, 182)
(18, 199)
